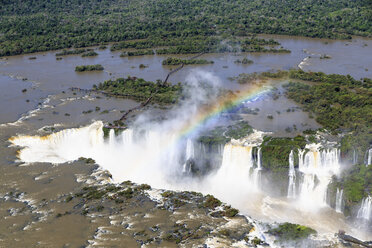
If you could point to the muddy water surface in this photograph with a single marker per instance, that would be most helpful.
(30, 195)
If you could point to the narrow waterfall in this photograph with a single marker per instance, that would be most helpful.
(257, 171)
(369, 157)
(317, 168)
(112, 137)
(339, 195)
(189, 155)
(355, 157)
(365, 210)
(292, 177)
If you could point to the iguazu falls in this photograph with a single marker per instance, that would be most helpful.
(186, 124)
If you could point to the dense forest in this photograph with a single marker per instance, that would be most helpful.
(41, 25)
(139, 89)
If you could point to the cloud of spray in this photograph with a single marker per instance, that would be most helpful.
(200, 89)
(158, 155)
(152, 156)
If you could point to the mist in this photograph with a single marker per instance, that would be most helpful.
(163, 152)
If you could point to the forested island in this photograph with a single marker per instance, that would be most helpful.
(28, 27)
(139, 89)
(81, 68)
(177, 61)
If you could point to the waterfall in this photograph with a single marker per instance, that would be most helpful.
(127, 136)
(236, 173)
(62, 146)
(369, 157)
(237, 160)
(355, 157)
(339, 194)
(292, 178)
(259, 158)
(257, 171)
(236, 165)
(112, 137)
(365, 210)
(189, 155)
(239, 166)
(317, 168)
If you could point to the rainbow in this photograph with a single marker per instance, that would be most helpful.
(224, 103)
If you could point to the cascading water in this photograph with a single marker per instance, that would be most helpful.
(317, 168)
(365, 210)
(339, 195)
(112, 137)
(60, 147)
(368, 159)
(257, 170)
(292, 177)
(355, 157)
(238, 165)
(153, 157)
(127, 136)
(237, 160)
(190, 153)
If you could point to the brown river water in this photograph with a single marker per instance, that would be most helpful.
(48, 104)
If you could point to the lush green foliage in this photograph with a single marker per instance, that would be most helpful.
(177, 61)
(89, 54)
(275, 151)
(139, 89)
(40, 25)
(341, 104)
(214, 137)
(137, 53)
(222, 135)
(289, 231)
(211, 202)
(355, 182)
(81, 68)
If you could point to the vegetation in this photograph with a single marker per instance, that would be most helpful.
(340, 103)
(289, 231)
(275, 152)
(81, 68)
(137, 53)
(211, 202)
(230, 212)
(89, 54)
(244, 61)
(214, 44)
(139, 89)
(356, 183)
(222, 135)
(43, 25)
(177, 61)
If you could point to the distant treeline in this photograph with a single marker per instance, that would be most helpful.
(42, 25)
